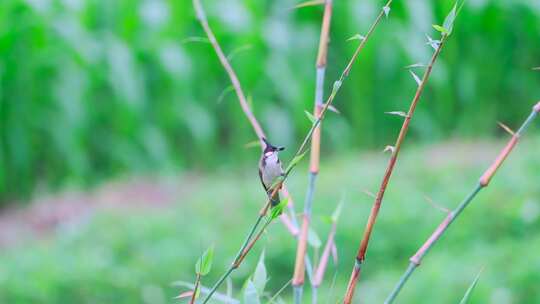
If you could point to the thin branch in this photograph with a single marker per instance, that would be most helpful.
(201, 16)
(299, 269)
(416, 259)
(388, 173)
(197, 283)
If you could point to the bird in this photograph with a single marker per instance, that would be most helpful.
(270, 169)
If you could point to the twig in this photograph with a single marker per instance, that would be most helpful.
(299, 269)
(197, 283)
(388, 173)
(416, 259)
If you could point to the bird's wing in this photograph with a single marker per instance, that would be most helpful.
(262, 182)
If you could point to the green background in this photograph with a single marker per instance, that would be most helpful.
(93, 91)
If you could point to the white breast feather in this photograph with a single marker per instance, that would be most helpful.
(272, 170)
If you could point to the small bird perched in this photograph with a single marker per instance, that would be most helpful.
(270, 169)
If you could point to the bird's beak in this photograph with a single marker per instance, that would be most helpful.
(280, 148)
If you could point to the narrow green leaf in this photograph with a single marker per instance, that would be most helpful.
(416, 65)
(433, 43)
(326, 219)
(337, 212)
(416, 78)
(356, 37)
(295, 161)
(309, 3)
(440, 29)
(310, 116)
(252, 144)
(335, 88)
(250, 293)
(313, 239)
(469, 291)
(449, 20)
(259, 276)
(386, 10)
(333, 109)
(277, 210)
(204, 264)
(397, 113)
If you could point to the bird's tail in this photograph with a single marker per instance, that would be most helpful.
(274, 200)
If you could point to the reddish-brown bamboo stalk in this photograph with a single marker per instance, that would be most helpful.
(299, 269)
(483, 182)
(360, 257)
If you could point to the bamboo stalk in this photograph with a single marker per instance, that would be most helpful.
(299, 269)
(483, 182)
(360, 257)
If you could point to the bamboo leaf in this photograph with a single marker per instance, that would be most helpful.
(333, 109)
(337, 212)
(260, 276)
(334, 253)
(506, 128)
(335, 88)
(186, 294)
(433, 43)
(229, 287)
(449, 20)
(310, 116)
(204, 264)
(252, 144)
(386, 10)
(440, 29)
(416, 65)
(356, 37)
(467, 295)
(313, 239)
(389, 148)
(295, 161)
(278, 209)
(416, 78)
(326, 219)
(309, 3)
(397, 113)
(250, 294)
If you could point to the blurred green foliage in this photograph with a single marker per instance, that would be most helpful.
(134, 255)
(93, 88)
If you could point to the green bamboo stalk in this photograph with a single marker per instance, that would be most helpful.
(483, 182)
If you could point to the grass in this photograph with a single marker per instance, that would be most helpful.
(132, 256)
